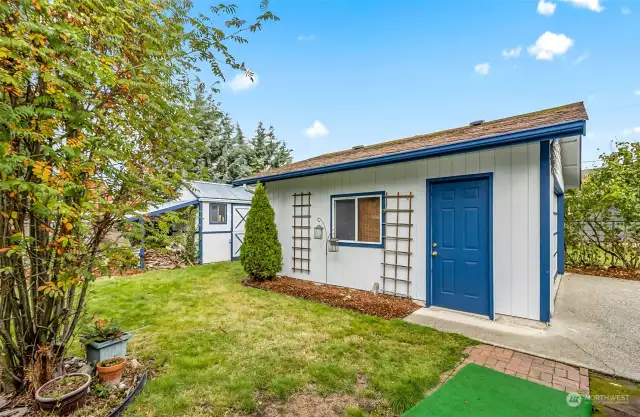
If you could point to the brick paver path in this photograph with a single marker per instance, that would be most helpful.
(542, 371)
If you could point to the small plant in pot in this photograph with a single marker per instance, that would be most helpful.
(63, 395)
(104, 340)
(110, 370)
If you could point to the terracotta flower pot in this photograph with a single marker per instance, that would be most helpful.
(63, 404)
(110, 373)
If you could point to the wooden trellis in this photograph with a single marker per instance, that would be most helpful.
(396, 258)
(301, 232)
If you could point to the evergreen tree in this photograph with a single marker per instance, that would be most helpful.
(223, 152)
(261, 252)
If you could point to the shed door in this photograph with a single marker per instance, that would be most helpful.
(459, 246)
(238, 217)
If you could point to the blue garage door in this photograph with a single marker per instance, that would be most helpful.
(460, 245)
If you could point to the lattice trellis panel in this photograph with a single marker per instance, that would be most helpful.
(301, 232)
(396, 258)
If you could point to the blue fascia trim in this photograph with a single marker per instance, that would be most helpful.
(545, 236)
(173, 208)
(429, 183)
(200, 214)
(561, 234)
(532, 135)
(382, 227)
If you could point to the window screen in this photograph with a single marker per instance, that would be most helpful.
(217, 213)
(346, 219)
(369, 219)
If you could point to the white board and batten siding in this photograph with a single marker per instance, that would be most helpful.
(516, 227)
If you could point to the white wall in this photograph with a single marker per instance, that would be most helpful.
(216, 238)
(516, 205)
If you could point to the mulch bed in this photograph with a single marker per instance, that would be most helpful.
(384, 306)
(611, 272)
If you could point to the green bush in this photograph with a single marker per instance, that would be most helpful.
(261, 253)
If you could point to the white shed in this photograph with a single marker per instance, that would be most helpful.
(222, 210)
(469, 219)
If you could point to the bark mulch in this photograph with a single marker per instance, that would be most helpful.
(610, 272)
(381, 305)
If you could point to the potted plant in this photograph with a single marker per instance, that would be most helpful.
(104, 341)
(64, 394)
(110, 370)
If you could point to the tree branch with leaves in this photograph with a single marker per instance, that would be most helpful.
(93, 129)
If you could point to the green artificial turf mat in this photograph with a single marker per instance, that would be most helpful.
(482, 392)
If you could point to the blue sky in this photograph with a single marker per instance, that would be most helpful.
(371, 71)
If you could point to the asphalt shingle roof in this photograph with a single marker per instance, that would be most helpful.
(542, 118)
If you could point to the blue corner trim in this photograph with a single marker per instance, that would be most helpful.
(141, 256)
(545, 235)
(429, 183)
(561, 234)
(200, 214)
(382, 226)
(525, 136)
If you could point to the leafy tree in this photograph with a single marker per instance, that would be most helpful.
(603, 216)
(93, 128)
(261, 252)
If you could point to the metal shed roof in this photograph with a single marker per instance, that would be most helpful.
(215, 191)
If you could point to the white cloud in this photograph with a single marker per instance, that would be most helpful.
(546, 8)
(593, 5)
(511, 53)
(630, 131)
(625, 10)
(243, 82)
(637, 92)
(317, 130)
(482, 69)
(303, 38)
(581, 58)
(549, 45)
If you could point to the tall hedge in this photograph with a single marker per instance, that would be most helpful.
(261, 252)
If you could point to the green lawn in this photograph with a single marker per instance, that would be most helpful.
(221, 348)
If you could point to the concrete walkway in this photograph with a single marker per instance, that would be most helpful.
(596, 325)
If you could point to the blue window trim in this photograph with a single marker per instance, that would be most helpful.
(545, 228)
(429, 183)
(382, 218)
(233, 206)
(540, 134)
(214, 203)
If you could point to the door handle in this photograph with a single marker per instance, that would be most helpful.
(434, 253)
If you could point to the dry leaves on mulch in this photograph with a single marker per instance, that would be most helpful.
(611, 272)
(384, 306)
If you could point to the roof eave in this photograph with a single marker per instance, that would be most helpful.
(556, 131)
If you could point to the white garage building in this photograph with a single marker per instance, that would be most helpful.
(469, 219)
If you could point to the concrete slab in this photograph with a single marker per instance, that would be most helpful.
(596, 325)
